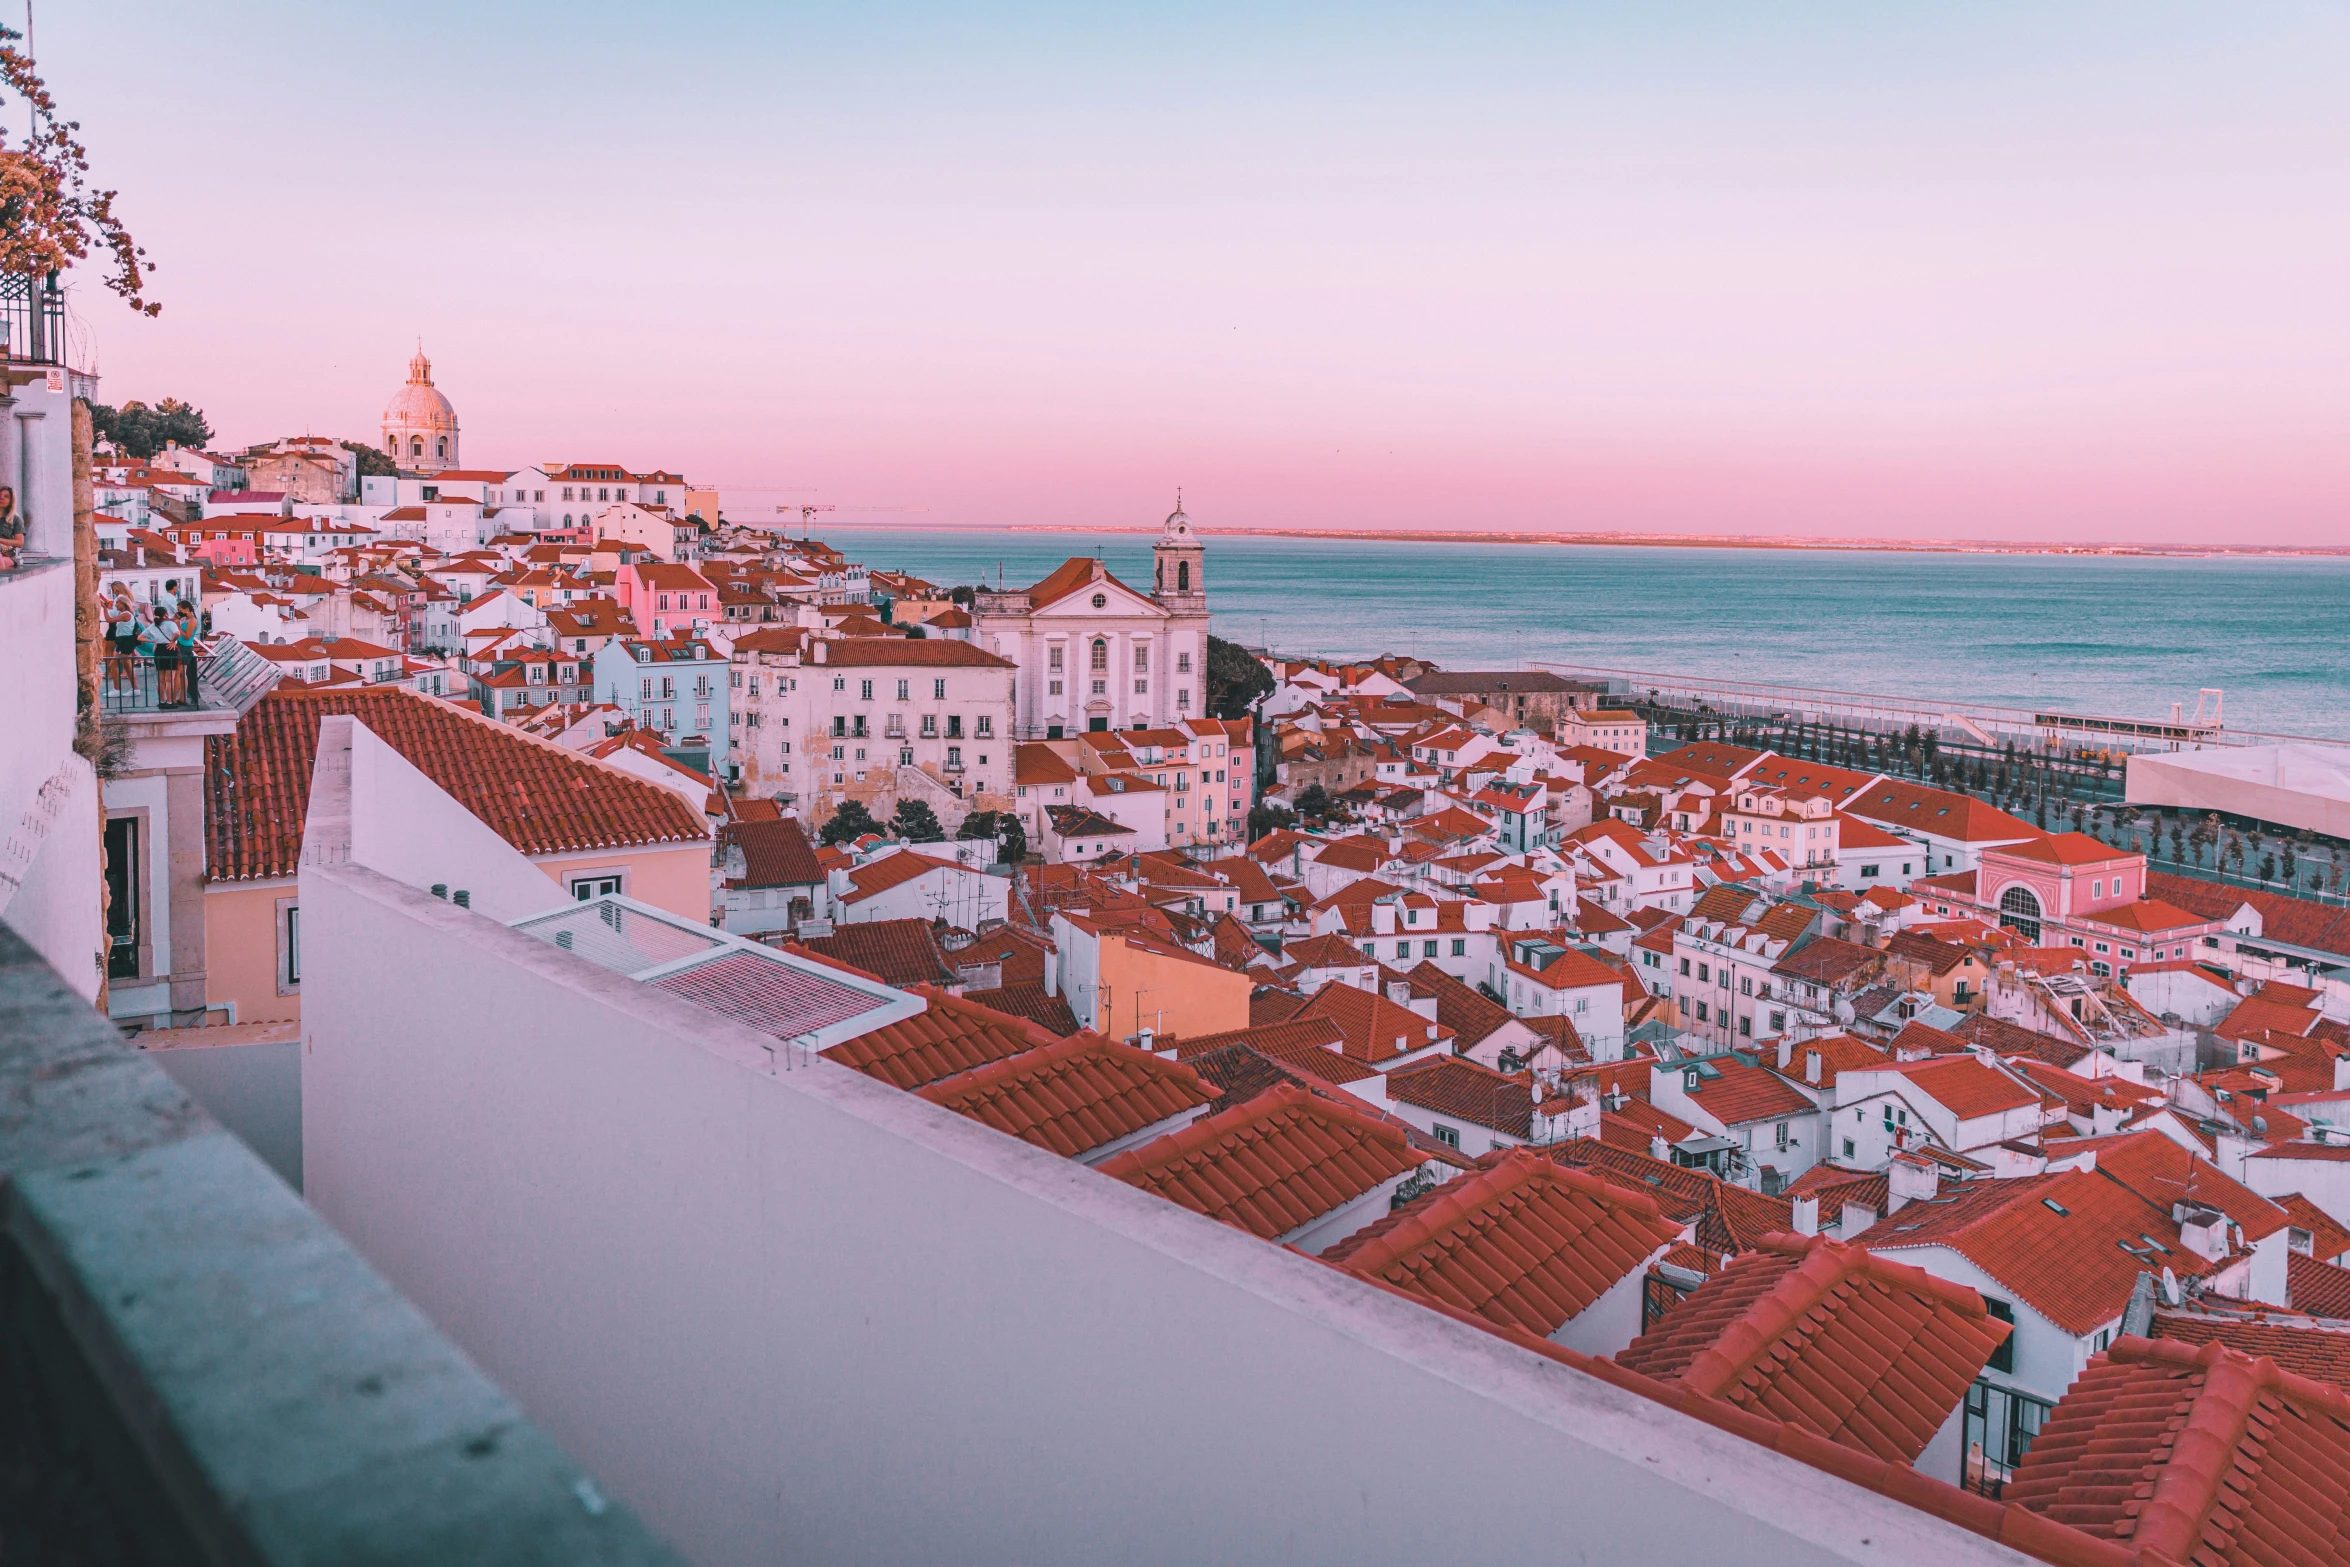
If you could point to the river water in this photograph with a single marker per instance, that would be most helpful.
(2124, 636)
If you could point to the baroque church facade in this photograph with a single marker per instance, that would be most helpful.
(1095, 653)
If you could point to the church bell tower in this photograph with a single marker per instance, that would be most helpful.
(1180, 579)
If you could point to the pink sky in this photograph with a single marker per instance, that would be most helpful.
(1974, 271)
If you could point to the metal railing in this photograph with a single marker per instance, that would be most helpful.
(32, 319)
(229, 677)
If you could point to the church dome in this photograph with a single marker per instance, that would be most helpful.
(420, 428)
(419, 405)
(1178, 525)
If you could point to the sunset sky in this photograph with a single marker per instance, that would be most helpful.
(1991, 270)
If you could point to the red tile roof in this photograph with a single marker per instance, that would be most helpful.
(1073, 1095)
(2328, 1238)
(954, 1035)
(2304, 1348)
(1726, 1218)
(1027, 999)
(2055, 1241)
(1965, 1086)
(1521, 1241)
(1869, 1353)
(2199, 1455)
(1271, 1165)
(1375, 1028)
(1743, 1092)
(1457, 1087)
(776, 853)
(896, 952)
(2319, 1288)
(2067, 848)
(539, 797)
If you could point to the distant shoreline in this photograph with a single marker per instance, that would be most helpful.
(1667, 541)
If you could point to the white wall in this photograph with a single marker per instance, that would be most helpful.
(253, 1089)
(49, 807)
(794, 1315)
(1609, 1324)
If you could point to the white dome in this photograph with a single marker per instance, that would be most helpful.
(419, 405)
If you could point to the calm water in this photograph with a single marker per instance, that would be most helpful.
(2099, 634)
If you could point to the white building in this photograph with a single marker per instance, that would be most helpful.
(820, 716)
(1094, 653)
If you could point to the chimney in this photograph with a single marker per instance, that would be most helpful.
(1807, 1215)
(1811, 1067)
(2203, 1231)
(1856, 1217)
(1909, 1179)
(1657, 1149)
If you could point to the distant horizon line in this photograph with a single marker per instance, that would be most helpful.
(1639, 540)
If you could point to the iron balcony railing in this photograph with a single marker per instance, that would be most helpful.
(32, 319)
(230, 678)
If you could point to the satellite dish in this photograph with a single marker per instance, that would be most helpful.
(2170, 1288)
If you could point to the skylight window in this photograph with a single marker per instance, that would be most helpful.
(2055, 1207)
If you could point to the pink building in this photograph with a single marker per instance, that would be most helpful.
(667, 599)
(2071, 890)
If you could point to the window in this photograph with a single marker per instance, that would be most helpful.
(1142, 688)
(840, 682)
(1871, 870)
(1702, 1015)
(1053, 660)
(1403, 949)
(1100, 600)
(1460, 946)
(598, 886)
(1782, 1131)
(1684, 968)
(902, 687)
(1703, 973)
(1101, 652)
(1746, 1025)
(2002, 1358)
(1183, 663)
(294, 946)
(1745, 985)
(1450, 1136)
(2019, 911)
(1778, 1021)
(865, 690)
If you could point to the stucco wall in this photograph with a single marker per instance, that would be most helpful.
(241, 950)
(794, 1315)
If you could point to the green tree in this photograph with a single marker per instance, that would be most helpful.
(1002, 826)
(1236, 681)
(918, 823)
(373, 463)
(141, 431)
(1265, 819)
(1313, 801)
(852, 820)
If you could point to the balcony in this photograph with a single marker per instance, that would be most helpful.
(195, 1368)
(230, 678)
(32, 320)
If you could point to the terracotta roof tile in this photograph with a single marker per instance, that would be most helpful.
(2319, 1288)
(1027, 999)
(896, 952)
(2304, 1348)
(2069, 1245)
(1726, 1218)
(1871, 1354)
(2199, 1455)
(1458, 1087)
(539, 797)
(955, 1035)
(1521, 1242)
(1074, 1095)
(776, 853)
(1271, 1165)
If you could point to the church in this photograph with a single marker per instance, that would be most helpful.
(419, 425)
(1096, 653)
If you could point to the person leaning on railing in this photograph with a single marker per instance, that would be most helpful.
(11, 530)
